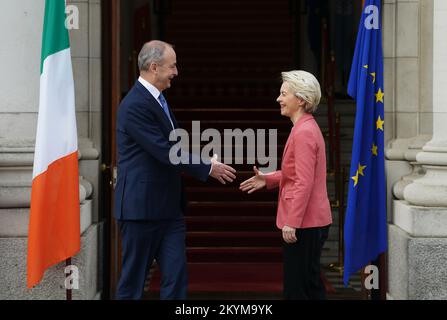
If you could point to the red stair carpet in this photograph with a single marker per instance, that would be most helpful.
(235, 278)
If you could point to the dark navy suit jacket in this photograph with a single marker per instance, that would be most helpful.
(149, 186)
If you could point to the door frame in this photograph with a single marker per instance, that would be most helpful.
(111, 95)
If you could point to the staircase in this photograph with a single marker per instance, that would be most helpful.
(232, 239)
(230, 54)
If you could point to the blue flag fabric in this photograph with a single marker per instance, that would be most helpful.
(365, 229)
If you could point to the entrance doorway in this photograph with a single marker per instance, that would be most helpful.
(230, 54)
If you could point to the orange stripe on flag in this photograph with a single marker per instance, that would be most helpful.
(54, 228)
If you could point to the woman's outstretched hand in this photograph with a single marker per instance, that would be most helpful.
(254, 183)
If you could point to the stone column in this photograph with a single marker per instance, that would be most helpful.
(417, 258)
(414, 147)
(431, 190)
(407, 66)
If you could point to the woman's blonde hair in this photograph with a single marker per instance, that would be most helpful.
(305, 86)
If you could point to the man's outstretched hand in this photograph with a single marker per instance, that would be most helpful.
(221, 171)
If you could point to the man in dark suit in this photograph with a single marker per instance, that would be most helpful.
(149, 196)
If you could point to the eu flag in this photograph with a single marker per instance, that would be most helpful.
(365, 229)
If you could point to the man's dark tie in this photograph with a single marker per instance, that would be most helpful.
(165, 107)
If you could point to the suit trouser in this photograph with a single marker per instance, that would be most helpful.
(302, 280)
(142, 241)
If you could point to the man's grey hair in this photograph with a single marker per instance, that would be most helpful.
(305, 86)
(152, 52)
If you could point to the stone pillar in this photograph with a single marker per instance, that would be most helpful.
(407, 62)
(431, 190)
(417, 258)
(409, 154)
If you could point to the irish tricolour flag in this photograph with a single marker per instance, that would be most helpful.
(54, 227)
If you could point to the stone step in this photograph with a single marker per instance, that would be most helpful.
(229, 7)
(268, 165)
(328, 259)
(262, 34)
(227, 208)
(221, 112)
(249, 112)
(234, 239)
(202, 123)
(331, 245)
(196, 148)
(344, 107)
(213, 223)
(247, 238)
(230, 254)
(230, 193)
(198, 25)
(282, 128)
(238, 208)
(215, 191)
(282, 136)
(241, 175)
(247, 254)
(231, 278)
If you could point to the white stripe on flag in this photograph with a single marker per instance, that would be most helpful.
(56, 127)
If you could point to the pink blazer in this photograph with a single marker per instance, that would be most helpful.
(302, 200)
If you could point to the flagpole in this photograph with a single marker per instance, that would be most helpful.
(68, 289)
(380, 293)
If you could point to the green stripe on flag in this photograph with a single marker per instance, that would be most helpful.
(55, 35)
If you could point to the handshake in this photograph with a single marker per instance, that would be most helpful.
(224, 173)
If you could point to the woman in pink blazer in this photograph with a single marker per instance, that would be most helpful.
(304, 212)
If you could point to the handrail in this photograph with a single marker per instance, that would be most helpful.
(339, 182)
(330, 110)
(340, 187)
(327, 72)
